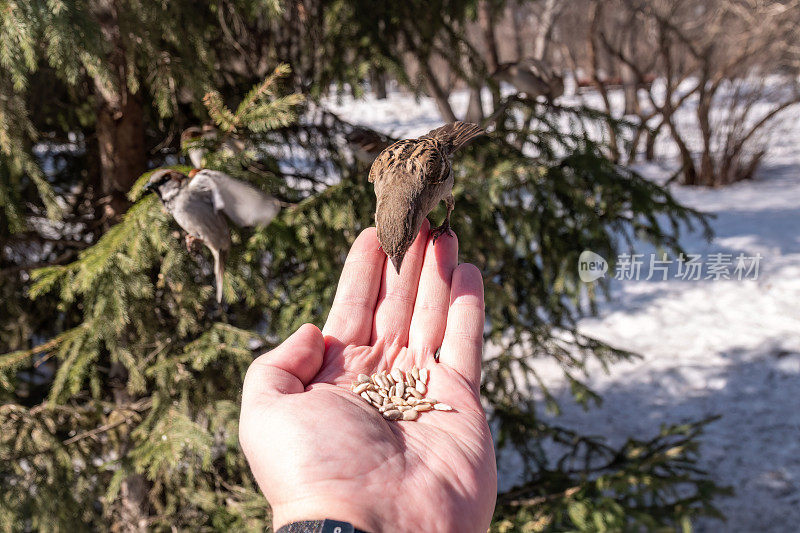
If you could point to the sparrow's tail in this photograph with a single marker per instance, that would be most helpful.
(454, 136)
(219, 269)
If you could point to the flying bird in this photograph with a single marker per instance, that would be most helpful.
(411, 177)
(198, 201)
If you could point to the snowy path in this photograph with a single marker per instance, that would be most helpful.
(708, 347)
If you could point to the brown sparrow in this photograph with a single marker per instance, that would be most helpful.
(197, 140)
(532, 77)
(411, 177)
(366, 144)
(198, 201)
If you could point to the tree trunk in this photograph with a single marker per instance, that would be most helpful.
(132, 506)
(689, 169)
(633, 150)
(378, 82)
(595, 13)
(435, 89)
(440, 96)
(630, 79)
(706, 176)
(121, 143)
(629, 85)
(650, 142)
(475, 107)
(486, 21)
(518, 15)
(123, 158)
(546, 23)
(120, 124)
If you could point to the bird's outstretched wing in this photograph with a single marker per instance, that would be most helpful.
(242, 203)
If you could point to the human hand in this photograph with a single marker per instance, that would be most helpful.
(319, 451)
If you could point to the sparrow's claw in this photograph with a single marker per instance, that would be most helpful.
(439, 231)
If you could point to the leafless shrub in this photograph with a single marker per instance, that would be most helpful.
(734, 62)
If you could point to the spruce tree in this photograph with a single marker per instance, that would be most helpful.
(120, 388)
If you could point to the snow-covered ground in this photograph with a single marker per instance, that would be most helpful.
(727, 347)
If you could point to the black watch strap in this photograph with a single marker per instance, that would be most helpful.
(319, 526)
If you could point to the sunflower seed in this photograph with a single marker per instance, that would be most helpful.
(361, 387)
(394, 414)
(398, 395)
(411, 414)
(397, 375)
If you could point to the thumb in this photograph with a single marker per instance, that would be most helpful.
(286, 369)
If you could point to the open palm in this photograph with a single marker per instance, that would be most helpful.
(319, 451)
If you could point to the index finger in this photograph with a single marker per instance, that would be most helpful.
(350, 318)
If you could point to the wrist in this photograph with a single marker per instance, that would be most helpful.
(317, 509)
(319, 526)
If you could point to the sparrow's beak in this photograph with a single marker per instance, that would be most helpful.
(397, 260)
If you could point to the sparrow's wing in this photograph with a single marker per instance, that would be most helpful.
(242, 203)
(385, 160)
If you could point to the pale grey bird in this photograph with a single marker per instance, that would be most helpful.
(197, 203)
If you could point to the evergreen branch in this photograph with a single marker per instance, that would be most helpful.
(132, 410)
(264, 89)
(219, 112)
(13, 359)
(272, 115)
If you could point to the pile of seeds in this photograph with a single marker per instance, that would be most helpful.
(398, 395)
